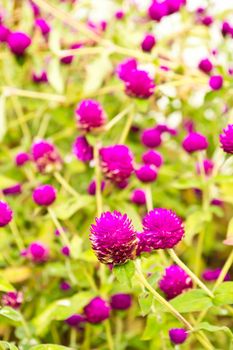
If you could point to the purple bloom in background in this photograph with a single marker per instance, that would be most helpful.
(213, 274)
(178, 335)
(163, 128)
(43, 26)
(40, 78)
(138, 197)
(123, 184)
(69, 59)
(205, 65)
(226, 139)
(124, 68)
(82, 150)
(22, 158)
(216, 82)
(158, 10)
(162, 229)
(44, 195)
(174, 281)
(12, 190)
(46, 156)
(12, 299)
(116, 162)
(18, 42)
(151, 138)
(121, 301)
(113, 238)
(75, 320)
(37, 252)
(148, 42)
(207, 20)
(174, 5)
(208, 166)
(65, 286)
(119, 14)
(97, 310)
(90, 115)
(35, 9)
(65, 251)
(4, 33)
(92, 187)
(217, 202)
(227, 29)
(139, 84)
(6, 214)
(147, 173)
(152, 157)
(194, 142)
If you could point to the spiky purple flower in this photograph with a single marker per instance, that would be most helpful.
(124, 68)
(162, 229)
(22, 158)
(178, 335)
(152, 157)
(175, 281)
(46, 156)
(113, 238)
(205, 65)
(44, 195)
(12, 190)
(194, 142)
(90, 115)
(146, 173)
(121, 301)
(97, 310)
(213, 274)
(6, 214)
(82, 150)
(216, 82)
(138, 197)
(18, 42)
(148, 42)
(139, 84)
(37, 252)
(151, 138)
(12, 299)
(116, 162)
(226, 139)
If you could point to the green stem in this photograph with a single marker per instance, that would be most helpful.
(16, 234)
(25, 326)
(224, 271)
(177, 260)
(87, 337)
(98, 194)
(117, 118)
(109, 335)
(65, 185)
(73, 337)
(59, 227)
(127, 127)
(199, 252)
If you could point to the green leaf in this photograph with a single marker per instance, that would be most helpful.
(124, 273)
(67, 208)
(9, 314)
(54, 41)
(5, 286)
(152, 326)
(145, 301)
(211, 328)
(224, 294)
(54, 75)
(49, 347)
(191, 301)
(4, 345)
(3, 127)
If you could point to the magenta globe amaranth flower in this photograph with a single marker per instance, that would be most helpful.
(139, 84)
(148, 42)
(178, 335)
(152, 157)
(43, 26)
(146, 173)
(207, 20)
(97, 310)
(75, 320)
(227, 29)
(44, 195)
(46, 156)
(119, 14)
(18, 42)
(226, 139)
(158, 10)
(6, 214)
(40, 78)
(174, 281)
(92, 187)
(124, 69)
(22, 158)
(216, 82)
(82, 150)
(121, 301)
(90, 115)
(69, 59)
(205, 65)
(113, 238)
(207, 166)
(194, 142)
(116, 162)
(162, 229)
(213, 274)
(151, 138)
(138, 197)
(12, 190)
(12, 299)
(174, 5)
(37, 252)
(4, 33)
(65, 286)
(65, 251)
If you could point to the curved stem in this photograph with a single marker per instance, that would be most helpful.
(117, 118)
(59, 227)
(109, 335)
(65, 184)
(224, 271)
(127, 127)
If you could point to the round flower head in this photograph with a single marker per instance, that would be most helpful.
(139, 84)
(147, 173)
(22, 158)
(138, 197)
(75, 320)
(37, 252)
(148, 42)
(207, 21)
(152, 157)
(40, 78)
(43, 26)
(174, 5)
(151, 138)
(175, 281)
(44, 195)
(213, 274)
(82, 150)
(124, 69)
(121, 301)
(205, 65)
(65, 286)
(116, 162)
(194, 142)
(158, 10)
(226, 139)
(207, 165)
(216, 82)
(46, 157)
(113, 238)
(97, 310)
(90, 115)
(4, 33)
(162, 229)
(92, 187)
(227, 29)
(119, 14)
(65, 251)
(6, 214)
(12, 299)
(18, 42)
(12, 190)
(178, 335)
(163, 128)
